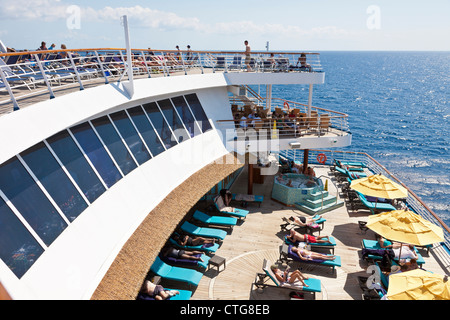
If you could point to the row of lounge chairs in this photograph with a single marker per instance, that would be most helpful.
(190, 272)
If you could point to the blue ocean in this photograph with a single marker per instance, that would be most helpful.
(399, 114)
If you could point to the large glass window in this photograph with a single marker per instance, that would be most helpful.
(173, 119)
(23, 192)
(160, 124)
(186, 115)
(198, 111)
(55, 181)
(115, 144)
(146, 130)
(95, 151)
(131, 137)
(18, 249)
(74, 161)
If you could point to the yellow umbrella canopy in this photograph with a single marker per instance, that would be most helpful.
(379, 186)
(405, 226)
(418, 285)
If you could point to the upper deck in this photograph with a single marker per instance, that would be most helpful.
(32, 76)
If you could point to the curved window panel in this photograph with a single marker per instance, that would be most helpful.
(95, 151)
(186, 115)
(115, 144)
(18, 249)
(160, 124)
(146, 130)
(73, 160)
(173, 120)
(198, 112)
(130, 136)
(55, 181)
(20, 188)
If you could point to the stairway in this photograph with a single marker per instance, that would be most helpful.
(312, 203)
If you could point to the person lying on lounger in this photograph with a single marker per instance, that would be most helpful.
(156, 291)
(294, 237)
(310, 255)
(178, 253)
(285, 277)
(186, 240)
(305, 221)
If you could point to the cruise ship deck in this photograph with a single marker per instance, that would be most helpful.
(259, 237)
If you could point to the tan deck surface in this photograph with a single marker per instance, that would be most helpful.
(260, 236)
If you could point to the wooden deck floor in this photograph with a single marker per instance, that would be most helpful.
(260, 236)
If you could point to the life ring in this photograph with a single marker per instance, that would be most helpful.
(321, 158)
(286, 105)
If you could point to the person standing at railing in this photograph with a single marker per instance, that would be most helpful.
(42, 47)
(247, 55)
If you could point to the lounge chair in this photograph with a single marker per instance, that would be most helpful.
(286, 254)
(183, 295)
(214, 220)
(208, 248)
(188, 263)
(318, 226)
(314, 285)
(327, 245)
(373, 244)
(203, 232)
(247, 198)
(189, 276)
(375, 207)
(237, 63)
(235, 212)
(342, 163)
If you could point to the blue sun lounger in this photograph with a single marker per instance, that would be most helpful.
(189, 276)
(313, 285)
(187, 263)
(375, 206)
(204, 247)
(373, 244)
(328, 245)
(240, 213)
(203, 232)
(247, 198)
(214, 220)
(183, 295)
(287, 254)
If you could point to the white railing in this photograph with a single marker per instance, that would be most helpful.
(32, 73)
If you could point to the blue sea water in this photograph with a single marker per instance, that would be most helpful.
(399, 114)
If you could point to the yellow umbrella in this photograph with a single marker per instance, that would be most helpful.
(405, 226)
(418, 285)
(379, 186)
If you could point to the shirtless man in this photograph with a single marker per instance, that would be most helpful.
(294, 237)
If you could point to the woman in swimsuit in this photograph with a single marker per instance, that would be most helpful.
(285, 277)
(189, 241)
(294, 237)
(310, 255)
(304, 221)
(176, 253)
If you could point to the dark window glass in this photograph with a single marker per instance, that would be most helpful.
(20, 188)
(161, 126)
(74, 161)
(55, 181)
(115, 144)
(146, 130)
(131, 137)
(95, 151)
(173, 120)
(18, 249)
(186, 115)
(198, 111)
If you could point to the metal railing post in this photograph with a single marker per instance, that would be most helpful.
(101, 67)
(8, 88)
(41, 68)
(75, 70)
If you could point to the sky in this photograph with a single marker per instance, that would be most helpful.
(300, 25)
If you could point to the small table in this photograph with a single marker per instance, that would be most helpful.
(217, 261)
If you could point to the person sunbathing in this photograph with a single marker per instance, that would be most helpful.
(187, 240)
(155, 291)
(178, 253)
(285, 277)
(310, 255)
(305, 221)
(294, 237)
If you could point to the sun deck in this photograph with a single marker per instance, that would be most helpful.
(259, 237)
